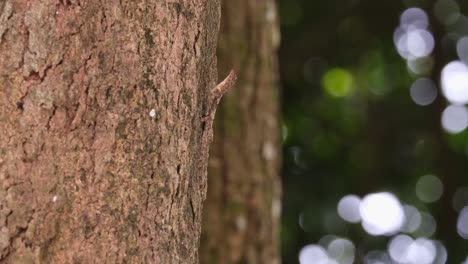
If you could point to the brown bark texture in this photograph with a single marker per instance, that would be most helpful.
(242, 211)
(100, 129)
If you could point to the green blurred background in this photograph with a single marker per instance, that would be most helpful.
(365, 112)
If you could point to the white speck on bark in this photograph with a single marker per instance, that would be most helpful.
(241, 222)
(152, 113)
(270, 12)
(269, 152)
(54, 199)
(276, 208)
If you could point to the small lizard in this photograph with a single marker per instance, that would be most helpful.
(207, 137)
(215, 96)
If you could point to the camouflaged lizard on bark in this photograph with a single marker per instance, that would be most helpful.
(215, 96)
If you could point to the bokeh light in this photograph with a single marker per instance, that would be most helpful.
(421, 251)
(284, 132)
(377, 257)
(414, 43)
(460, 198)
(429, 188)
(462, 49)
(313, 254)
(398, 246)
(326, 240)
(330, 249)
(411, 38)
(381, 213)
(423, 91)
(454, 118)
(428, 225)
(337, 82)
(421, 66)
(304, 221)
(414, 18)
(412, 219)
(446, 11)
(454, 82)
(441, 257)
(348, 208)
(342, 250)
(403, 249)
(462, 223)
(459, 27)
(419, 42)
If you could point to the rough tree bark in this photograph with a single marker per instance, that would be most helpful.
(100, 129)
(241, 214)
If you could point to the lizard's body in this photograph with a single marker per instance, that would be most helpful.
(215, 96)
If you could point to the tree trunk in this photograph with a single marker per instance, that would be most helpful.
(101, 103)
(241, 214)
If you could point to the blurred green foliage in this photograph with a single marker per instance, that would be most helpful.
(350, 126)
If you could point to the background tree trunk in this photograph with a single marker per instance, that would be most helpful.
(89, 172)
(241, 214)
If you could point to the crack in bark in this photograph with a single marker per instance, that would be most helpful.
(7, 13)
(176, 193)
(81, 109)
(178, 7)
(18, 233)
(44, 74)
(54, 110)
(197, 36)
(11, 211)
(147, 191)
(192, 210)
